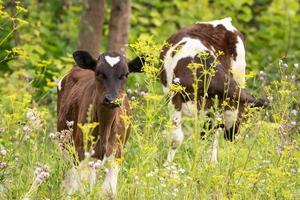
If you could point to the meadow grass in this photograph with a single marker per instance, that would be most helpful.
(262, 163)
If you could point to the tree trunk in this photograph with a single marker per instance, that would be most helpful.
(91, 26)
(12, 5)
(119, 25)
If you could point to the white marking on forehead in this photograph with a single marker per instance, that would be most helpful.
(112, 60)
(190, 48)
(226, 22)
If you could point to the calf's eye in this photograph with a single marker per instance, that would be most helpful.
(100, 75)
(123, 76)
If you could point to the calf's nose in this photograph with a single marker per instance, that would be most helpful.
(108, 99)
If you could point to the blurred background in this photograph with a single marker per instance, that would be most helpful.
(37, 37)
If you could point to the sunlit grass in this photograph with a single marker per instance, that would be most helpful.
(263, 162)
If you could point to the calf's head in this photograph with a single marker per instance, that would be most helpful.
(111, 71)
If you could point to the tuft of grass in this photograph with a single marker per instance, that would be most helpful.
(263, 162)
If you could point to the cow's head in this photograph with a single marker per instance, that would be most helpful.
(111, 71)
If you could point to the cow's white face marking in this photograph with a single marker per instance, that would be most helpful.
(239, 65)
(226, 22)
(190, 48)
(112, 60)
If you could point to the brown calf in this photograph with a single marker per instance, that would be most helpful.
(99, 83)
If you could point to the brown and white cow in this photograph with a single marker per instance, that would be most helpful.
(98, 82)
(182, 49)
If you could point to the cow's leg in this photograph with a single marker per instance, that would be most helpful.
(77, 177)
(71, 183)
(109, 186)
(177, 135)
(231, 124)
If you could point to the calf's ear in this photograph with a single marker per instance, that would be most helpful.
(84, 60)
(136, 65)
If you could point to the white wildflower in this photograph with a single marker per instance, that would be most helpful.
(27, 129)
(294, 171)
(181, 170)
(150, 174)
(70, 123)
(3, 165)
(3, 152)
(31, 115)
(41, 173)
(26, 137)
(129, 91)
(294, 112)
(97, 164)
(2, 130)
(143, 93)
(132, 98)
(176, 80)
(87, 154)
(293, 123)
(52, 136)
(296, 65)
(262, 75)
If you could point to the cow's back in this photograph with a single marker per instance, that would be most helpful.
(203, 37)
(71, 91)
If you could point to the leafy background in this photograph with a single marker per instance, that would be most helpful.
(47, 34)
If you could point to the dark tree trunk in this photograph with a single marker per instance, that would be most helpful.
(91, 26)
(119, 25)
(12, 4)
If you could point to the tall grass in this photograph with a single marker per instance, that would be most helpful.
(263, 162)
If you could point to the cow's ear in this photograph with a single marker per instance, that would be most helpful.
(136, 65)
(84, 60)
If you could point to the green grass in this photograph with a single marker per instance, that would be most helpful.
(263, 162)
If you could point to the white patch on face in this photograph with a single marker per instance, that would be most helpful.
(239, 65)
(226, 22)
(190, 49)
(189, 108)
(60, 82)
(112, 60)
(230, 118)
(109, 186)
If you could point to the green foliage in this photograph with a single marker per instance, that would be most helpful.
(263, 163)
